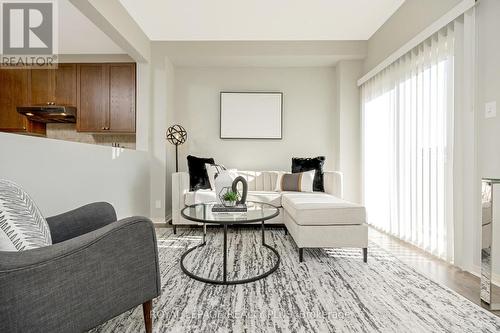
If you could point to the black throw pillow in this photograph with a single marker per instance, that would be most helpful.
(307, 164)
(198, 176)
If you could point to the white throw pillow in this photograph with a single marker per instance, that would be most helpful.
(297, 182)
(212, 170)
(22, 226)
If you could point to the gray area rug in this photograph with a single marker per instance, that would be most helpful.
(332, 291)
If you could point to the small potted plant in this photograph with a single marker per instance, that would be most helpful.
(230, 199)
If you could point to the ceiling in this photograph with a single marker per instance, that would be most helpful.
(234, 20)
(78, 35)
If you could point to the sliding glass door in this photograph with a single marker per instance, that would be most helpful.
(407, 138)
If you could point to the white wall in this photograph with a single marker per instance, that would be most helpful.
(195, 102)
(488, 90)
(349, 127)
(296, 53)
(143, 106)
(171, 119)
(114, 20)
(162, 76)
(73, 25)
(308, 115)
(260, 65)
(61, 175)
(488, 24)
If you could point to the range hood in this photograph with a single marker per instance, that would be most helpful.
(49, 113)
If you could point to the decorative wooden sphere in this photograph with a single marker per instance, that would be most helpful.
(176, 135)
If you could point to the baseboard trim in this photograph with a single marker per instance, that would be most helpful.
(160, 222)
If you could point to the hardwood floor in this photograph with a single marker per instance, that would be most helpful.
(464, 283)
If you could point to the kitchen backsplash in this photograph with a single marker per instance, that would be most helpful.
(68, 132)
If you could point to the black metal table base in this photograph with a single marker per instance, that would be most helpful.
(224, 280)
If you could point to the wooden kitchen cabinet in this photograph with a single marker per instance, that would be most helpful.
(53, 86)
(65, 85)
(122, 97)
(106, 98)
(40, 86)
(92, 98)
(14, 92)
(104, 95)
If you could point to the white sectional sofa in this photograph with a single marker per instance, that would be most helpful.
(314, 220)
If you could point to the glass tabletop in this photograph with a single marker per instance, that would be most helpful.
(491, 180)
(256, 212)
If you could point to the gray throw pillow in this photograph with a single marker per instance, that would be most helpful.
(296, 182)
(22, 226)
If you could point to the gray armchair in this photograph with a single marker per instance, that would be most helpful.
(96, 269)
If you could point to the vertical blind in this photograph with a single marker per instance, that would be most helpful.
(408, 146)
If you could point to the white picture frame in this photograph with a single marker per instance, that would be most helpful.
(251, 115)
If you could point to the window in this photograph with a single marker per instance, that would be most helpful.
(408, 146)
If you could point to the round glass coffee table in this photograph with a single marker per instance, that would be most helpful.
(257, 212)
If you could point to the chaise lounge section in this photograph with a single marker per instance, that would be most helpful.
(321, 221)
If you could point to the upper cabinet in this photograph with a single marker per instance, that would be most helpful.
(41, 86)
(65, 84)
(14, 92)
(106, 98)
(122, 97)
(104, 95)
(92, 99)
(53, 86)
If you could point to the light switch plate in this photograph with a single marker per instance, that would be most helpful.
(158, 204)
(490, 110)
